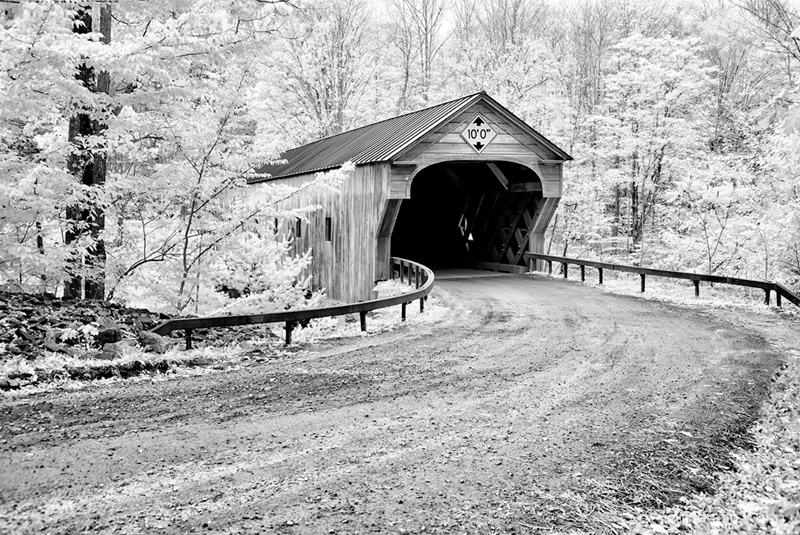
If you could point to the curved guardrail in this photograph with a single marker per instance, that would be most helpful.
(768, 287)
(412, 272)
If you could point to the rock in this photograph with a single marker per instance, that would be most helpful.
(110, 335)
(145, 321)
(19, 346)
(8, 384)
(105, 322)
(113, 350)
(155, 342)
(790, 513)
(24, 334)
(55, 347)
(32, 324)
(89, 355)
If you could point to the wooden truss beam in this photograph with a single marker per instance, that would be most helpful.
(458, 182)
(483, 219)
(494, 225)
(514, 220)
(501, 177)
(523, 239)
(525, 186)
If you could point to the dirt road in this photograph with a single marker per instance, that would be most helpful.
(536, 405)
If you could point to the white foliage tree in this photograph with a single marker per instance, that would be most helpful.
(650, 118)
(181, 140)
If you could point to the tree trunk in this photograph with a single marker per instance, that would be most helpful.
(90, 169)
(617, 213)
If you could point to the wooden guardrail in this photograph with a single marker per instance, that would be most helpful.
(413, 273)
(768, 287)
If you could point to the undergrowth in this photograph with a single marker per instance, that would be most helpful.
(261, 342)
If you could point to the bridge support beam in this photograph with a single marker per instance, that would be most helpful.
(544, 213)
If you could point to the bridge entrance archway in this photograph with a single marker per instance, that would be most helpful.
(469, 214)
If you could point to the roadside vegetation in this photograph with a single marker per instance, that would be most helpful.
(55, 360)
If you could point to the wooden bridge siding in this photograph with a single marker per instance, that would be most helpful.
(544, 212)
(511, 141)
(345, 266)
(511, 144)
(384, 246)
(450, 133)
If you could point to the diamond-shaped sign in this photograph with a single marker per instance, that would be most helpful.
(478, 133)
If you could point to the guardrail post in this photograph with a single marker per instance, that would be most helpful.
(696, 278)
(188, 337)
(402, 271)
(403, 313)
(289, 328)
(363, 317)
(416, 276)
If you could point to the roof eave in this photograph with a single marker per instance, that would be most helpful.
(418, 138)
(528, 128)
(290, 175)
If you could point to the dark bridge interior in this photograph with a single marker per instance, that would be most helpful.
(468, 211)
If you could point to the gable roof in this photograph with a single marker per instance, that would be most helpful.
(382, 141)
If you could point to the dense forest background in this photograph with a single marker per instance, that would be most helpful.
(683, 117)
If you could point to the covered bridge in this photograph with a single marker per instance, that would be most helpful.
(463, 183)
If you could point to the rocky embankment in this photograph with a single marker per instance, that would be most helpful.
(35, 326)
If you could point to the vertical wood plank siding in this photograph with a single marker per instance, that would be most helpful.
(346, 265)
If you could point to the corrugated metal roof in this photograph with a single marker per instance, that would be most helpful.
(377, 142)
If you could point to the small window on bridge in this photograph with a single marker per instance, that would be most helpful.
(328, 229)
(298, 228)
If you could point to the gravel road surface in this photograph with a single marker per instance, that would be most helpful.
(536, 405)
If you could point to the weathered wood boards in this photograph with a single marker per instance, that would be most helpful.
(445, 144)
(489, 205)
(346, 264)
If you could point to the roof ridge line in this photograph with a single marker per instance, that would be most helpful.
(468, 100)
(464, 97)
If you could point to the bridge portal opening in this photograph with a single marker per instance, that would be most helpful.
(461, 214)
